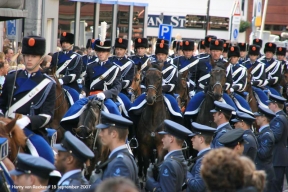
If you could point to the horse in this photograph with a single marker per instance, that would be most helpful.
(87, 133)
(183, 90)
(251, 100)
(214, 93)
(16, 137)
(61, 104)
(152, 116)
(284, 82)
(135, 88)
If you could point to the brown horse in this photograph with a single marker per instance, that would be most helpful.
(214, 93)
(284, 82)
(61, 105)
(251, 100)
(135, 87)
(152, 116)
(87, 133)
(15, 135)
(183, 90)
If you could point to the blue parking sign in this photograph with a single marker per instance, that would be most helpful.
(11, 29)
(165, 32)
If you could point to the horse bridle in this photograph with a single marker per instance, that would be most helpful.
(157, 96)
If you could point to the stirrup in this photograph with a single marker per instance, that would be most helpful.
(133, 147)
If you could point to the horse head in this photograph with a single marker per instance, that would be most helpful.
(87, 121)
(153, 82)
(217, 82)
(135, 87)
(15, 135)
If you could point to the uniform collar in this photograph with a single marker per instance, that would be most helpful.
(263, 127)
(68, 174)
(203, 150)
(103, 62)
(117, 149)
(222, 125)
(32, 74)
(168, 154)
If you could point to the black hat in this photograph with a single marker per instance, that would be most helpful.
(33, 45)
(254, 50)
(232, 138)
(141, 42)
(233, 51)
(243, 46)
(175, 129)
(188, 45)
(163, 41)
(67, 37)
(208, 40)
(102, 46)
(178, 45)
(201, 44)
(4, 148)
(276, 99)
(28, 164)
(226, 47)
(162, 48)
(281, 51)
(121, 43)
(257, 42)
(241, 116)
(263, 111)
(270, 47)
(199, 129)
(222, 107)
(216, 44)
(224, 40)
(89, 43)
(108, 120)
(73, 145)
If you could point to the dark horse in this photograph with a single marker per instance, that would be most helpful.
(251, 100)
(135, 87)
(87, 133)
(183, 90)
(152, 116)
(61, 104)
(284, 82)
(214, 93)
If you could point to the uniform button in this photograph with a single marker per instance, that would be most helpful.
(14, 99)
(14, 87)
(205, 82)
(32, 103)
(92, 88)
(206, 67)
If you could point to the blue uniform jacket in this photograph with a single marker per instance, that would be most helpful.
(122, 164)
(239, 75)
(195, 183)
(279, 127)
(95, 71)
(218, 133)
(172, 174)
(40, 109)
(258, 72)
(266, 144)
(87, 59)
(76, 182)
(127, 70)
(72, 71)
(250, 148)
(273, 71)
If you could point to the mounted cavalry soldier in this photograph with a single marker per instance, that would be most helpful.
(32, 94)
(239, 75)
(127, 72)
(225, 50)
(258, 80)
(103, 80)
(272, 69)
(177, 48)
(140, 58)
(281, 54)
(243, 52)
(169, 80)
(90, 57)
(207, 46)
(258, 42)
(154, 57)
(201, 78)
(187, 62)
(201, 48)
(69, 66)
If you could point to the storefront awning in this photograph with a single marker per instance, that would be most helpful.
(115, 2)
(10, 14)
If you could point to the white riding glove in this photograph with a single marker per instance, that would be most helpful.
(191, 94)
(95, 176)
(231, 90)
(23, 122)
(60, 81)
(101, 96)
(82, 95)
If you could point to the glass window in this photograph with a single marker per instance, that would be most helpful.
(106, 14)
(268, 27)
(138, 22)
(86, 23)
(123, 21)
(66, 17)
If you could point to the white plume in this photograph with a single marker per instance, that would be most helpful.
(103, 31)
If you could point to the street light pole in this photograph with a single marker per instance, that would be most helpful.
(207, 17)
(263, 19)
